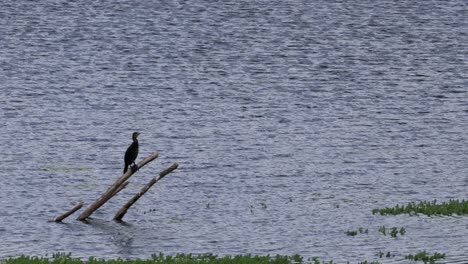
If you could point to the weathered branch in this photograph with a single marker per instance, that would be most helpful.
(112, 190)
(69, 212)
(121, 187)
(120, 214)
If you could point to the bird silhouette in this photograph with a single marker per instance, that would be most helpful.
(131, 153)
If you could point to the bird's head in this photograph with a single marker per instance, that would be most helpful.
(135, 135)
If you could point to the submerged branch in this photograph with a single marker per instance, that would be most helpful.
(69, 212)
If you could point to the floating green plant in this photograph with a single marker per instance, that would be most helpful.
(427, 208)
(251, 207)
(393, 231)
(382, 230)
(402, 231)
(360, 230)
(423, 256)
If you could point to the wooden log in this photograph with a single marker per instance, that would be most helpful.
(121, 187)
(69, 212)
(120, 214)
(112, 190)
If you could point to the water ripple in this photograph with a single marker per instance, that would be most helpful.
(290, 122)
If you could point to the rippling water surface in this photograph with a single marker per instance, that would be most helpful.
(290, 120)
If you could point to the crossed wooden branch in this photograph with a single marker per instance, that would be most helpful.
(120, 184)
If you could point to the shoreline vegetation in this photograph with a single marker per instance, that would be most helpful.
(62, 258)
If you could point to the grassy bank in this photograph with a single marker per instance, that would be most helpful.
(177, 259)
(162, 259)
(61, 258)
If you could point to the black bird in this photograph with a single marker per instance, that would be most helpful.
(131, 153)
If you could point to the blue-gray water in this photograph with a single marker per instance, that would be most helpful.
(290, 120)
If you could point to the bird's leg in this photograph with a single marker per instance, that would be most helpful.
(134, 167)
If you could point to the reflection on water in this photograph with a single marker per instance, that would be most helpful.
(290, 121)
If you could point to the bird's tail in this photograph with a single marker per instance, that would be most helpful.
(126, 168)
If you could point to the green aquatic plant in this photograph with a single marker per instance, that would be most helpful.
(382, 230)
(459, 207)
(360, 230)
(382, 254)
(402, 231)
(315, 260)
(424, 257)
(393, 231)
(251, 208)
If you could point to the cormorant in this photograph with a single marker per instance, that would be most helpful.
(131, 153)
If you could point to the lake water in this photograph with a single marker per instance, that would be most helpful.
(290, 121)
